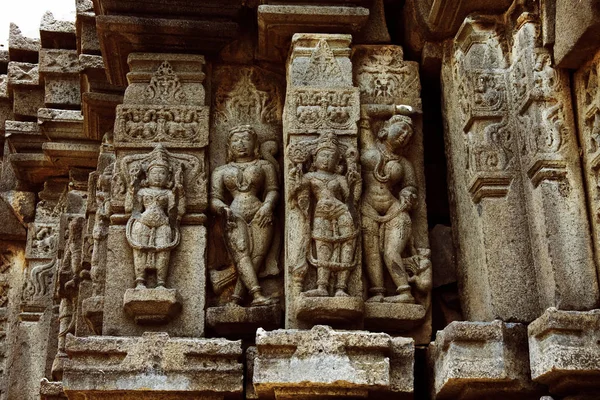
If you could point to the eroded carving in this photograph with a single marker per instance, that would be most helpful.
(388, 241)
(164, 86)
(156, 201)
(244, 193)
(162, 124)
(326, 186)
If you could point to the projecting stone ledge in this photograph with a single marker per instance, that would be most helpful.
(481, 360)
(323, 362)
(565, 352)
(153, 367)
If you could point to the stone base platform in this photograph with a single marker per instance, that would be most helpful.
(564, 352)
(153, 366)
(325, 363)
(336, 311)
(240, 321)
(481, 360)
(151, 306)
(393, 317)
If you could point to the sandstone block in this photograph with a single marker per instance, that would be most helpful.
(293, 364)
(564, 353)
(474, 360)
(153, 366)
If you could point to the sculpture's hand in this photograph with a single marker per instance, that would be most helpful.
(264, 215)
(409, 197)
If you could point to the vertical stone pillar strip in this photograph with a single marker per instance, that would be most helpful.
(162, 122)
(322, 184)
(394, 213)
(587, 96)
(551, 173)
(494, 252)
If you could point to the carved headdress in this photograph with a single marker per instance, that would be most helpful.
(328, 141)
(159, 158)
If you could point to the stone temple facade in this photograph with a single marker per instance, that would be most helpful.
(312, 199)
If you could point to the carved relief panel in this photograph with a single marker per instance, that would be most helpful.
(323, 185)
(394, 222)
(245, 253)
(158, 194)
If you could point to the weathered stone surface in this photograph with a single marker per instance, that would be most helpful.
(278, 23)
(563, 352)
(55, 34)
(121, 35)
(21, 48)
(154, 366)
(440, 19)
(245, 136)
(577, 32)
(60, 124)
(396, 255)
(474, 360)
(511, 148)
(293, 364)
(323, 260)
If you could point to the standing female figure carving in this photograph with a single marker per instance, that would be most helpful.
(244, 193)
(156, 204)
(390, 194)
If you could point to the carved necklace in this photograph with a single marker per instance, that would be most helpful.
(242, 183)
(384, 157)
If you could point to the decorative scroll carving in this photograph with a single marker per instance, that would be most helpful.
(323, 70)
(326, 186)
(384, 77)
(176, 124)
(165, 86)
(319, 110)
(238, 99)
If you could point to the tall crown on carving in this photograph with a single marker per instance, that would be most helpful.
(159, 158)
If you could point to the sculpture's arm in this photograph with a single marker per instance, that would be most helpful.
(217, 195)
(409, 189)
(271, 186)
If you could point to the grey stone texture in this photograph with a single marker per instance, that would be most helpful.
(230, 199)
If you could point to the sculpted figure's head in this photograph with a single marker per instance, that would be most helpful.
(242, 144)
(396, 132)
(159, 173)
(327, 153)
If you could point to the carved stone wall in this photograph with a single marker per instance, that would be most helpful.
(248, 200)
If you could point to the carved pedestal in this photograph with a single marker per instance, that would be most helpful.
(151, 306)
(153, 366)
(475, 360)
(323, 185)
(564, 353)
(324, 363)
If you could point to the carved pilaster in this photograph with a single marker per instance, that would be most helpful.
(323, 184)
(551, 172)
(587, 95)
(155, 271)
(396, 255)
(489, 206)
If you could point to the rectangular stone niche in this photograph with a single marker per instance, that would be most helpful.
(152, 367)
